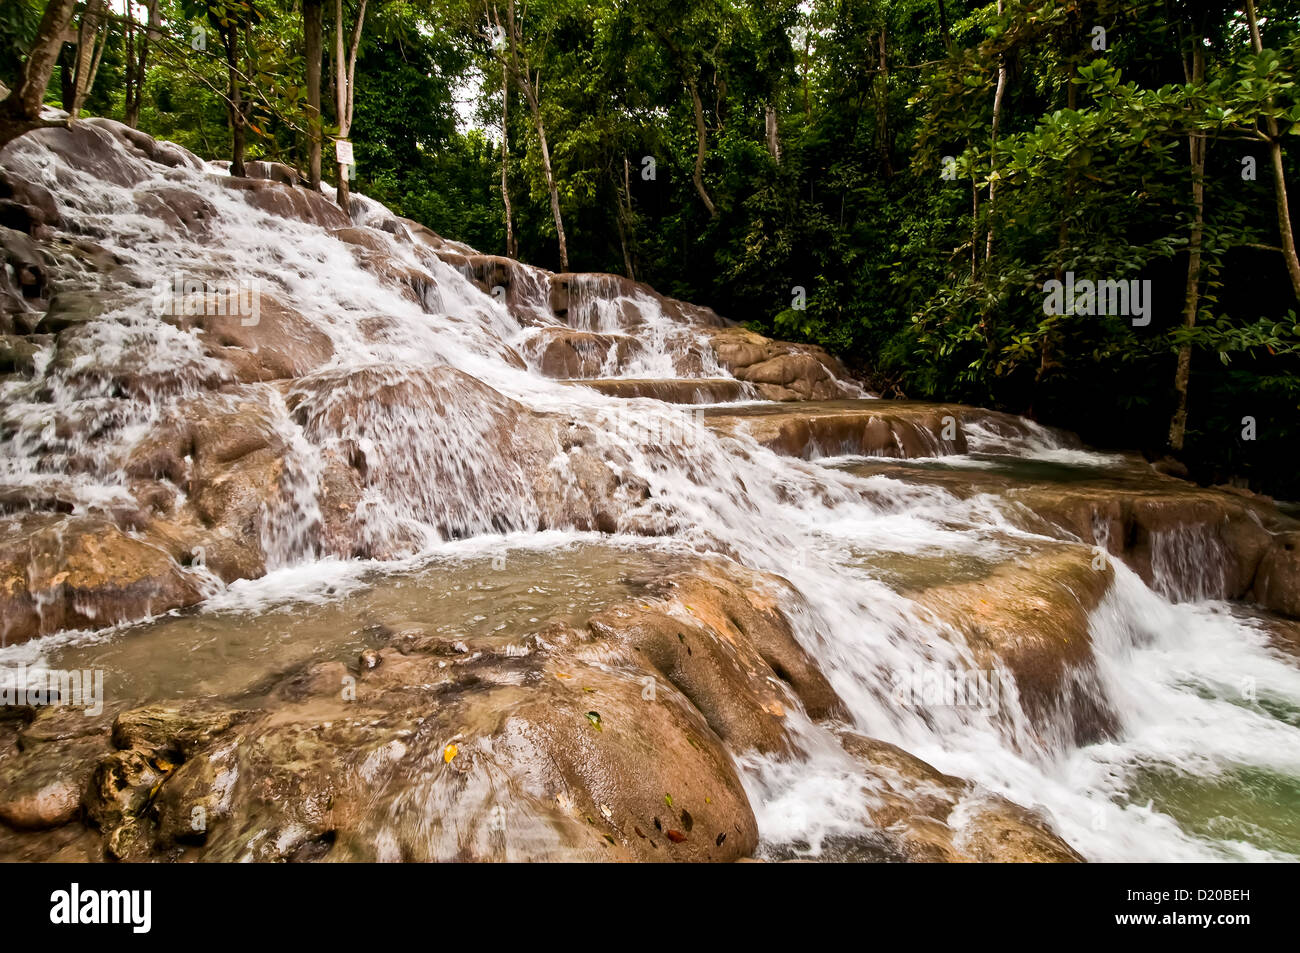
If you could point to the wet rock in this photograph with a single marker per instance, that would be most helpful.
(173, 732)
(82, 572)
(34, 206)
(69, 309)
(274, 171)
(1031, 616)
(932, 817)
(1277, 580)
(185, 211)
(567, 354)
(417, 435)
(302, 205)
(866, 427)
(781, 370)
(675, 390)
(998, 831)
(31, 269)
(18, 353)
(274, 343)
(42, 786)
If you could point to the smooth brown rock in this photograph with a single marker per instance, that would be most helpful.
(1031, 615)
(865, 427)
(74, 572)
(567, 354)
(675, 390)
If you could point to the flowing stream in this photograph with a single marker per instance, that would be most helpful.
(1206, 761)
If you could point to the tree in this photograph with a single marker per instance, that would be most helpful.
(345, 72)
(23, 105)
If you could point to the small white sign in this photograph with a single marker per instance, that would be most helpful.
(343, 151)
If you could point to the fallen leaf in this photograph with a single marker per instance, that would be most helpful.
(594, 718)
(675, 836)
(448, 753)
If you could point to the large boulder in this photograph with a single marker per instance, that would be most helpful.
(781, 370)
(568, 354)
(1030, 616)
(82, 572)
(867, 427)
(924, 815)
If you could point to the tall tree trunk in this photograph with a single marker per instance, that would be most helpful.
(530, 86)
(807, 49)
(1196, 146)
(1279, 175)
(551, 185)
(344, 80)
(128, 68)
(313, 32)
(1045, 359)
(24, 102)
(701, 142)
(974, 224)
(773, 133)
(153, 26)
(880, 85)
(512, 250)
(235, 96)
(998, 95)
(91, 40)
(624, 217)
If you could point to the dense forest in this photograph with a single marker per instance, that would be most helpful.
(918, 185)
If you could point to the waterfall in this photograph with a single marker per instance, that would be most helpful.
(428, 387)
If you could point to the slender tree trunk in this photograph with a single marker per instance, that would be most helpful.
(235, 95)
(998, 95)
(530, 86)
(1279, 174)
(974, 225)
(24, 102)
(1045, 361)
(551, 185)
(342, 194)
(880, 85)
(345, 74)
(702, 142)
(313, 33)
(1191, 300)
(773, 133)
(91, 40)
(137, 58)
(128, 68)
(512, 250)
(807, 50)
(624, 218)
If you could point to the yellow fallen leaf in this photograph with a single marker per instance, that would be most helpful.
(450, 752)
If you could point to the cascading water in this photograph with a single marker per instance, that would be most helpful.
(440, 389)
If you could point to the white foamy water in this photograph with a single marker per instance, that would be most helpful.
(1197, 692)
